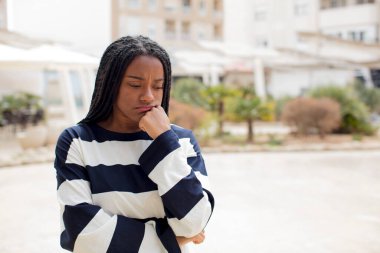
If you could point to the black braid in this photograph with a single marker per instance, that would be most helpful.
(113, 65)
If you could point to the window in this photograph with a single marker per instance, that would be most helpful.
(218, 32)
(301, 8)
(76, 86)
(186, 6)
(217, 5)
(202, 7)
(365, 1)
(357, 35)
(262, 42)
(129, 25)
(185, 30)
(52, 90)
(260, 13)
(362, 36)
(152, 30)
(337, 3)
(170, 5)
(134, 4)
(170, 29)
(152, 5)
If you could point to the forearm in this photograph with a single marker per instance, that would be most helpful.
(188, 206)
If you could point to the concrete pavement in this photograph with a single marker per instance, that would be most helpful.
(265, 202)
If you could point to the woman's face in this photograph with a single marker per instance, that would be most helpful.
(141, 88)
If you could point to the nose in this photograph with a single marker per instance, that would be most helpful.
(147, 95)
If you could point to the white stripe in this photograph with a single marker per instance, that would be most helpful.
(62, 224)
(194, 221)
(73, 192)
(132, 205)
(114, 152)
(96, 241)
(187, 147)
(151, 243)
(170, 170)
(203, 179)
(108, 152)
(74, 153)
(100, 219)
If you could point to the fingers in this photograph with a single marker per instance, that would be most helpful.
(199, 238)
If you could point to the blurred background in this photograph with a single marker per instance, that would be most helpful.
(283, 96)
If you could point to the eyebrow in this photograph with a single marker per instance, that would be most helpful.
(141, 78)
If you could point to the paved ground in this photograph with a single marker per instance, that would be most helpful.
(265, 202)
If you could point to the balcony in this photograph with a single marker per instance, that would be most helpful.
(349, 15)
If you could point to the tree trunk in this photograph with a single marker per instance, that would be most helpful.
(220, 118)
(250, 137)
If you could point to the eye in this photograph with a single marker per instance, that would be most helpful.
(159, 87)
(134, 85)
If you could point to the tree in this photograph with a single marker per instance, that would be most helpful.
(188, 91)
(248, 107)
(215, 97)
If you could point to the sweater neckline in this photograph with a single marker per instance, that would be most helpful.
(117, 135)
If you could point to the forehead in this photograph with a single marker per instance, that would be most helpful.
(145, 64)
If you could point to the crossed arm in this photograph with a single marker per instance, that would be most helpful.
(187, 204)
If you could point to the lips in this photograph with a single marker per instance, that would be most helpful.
(144, 108)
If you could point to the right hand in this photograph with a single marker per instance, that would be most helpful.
(197, 239)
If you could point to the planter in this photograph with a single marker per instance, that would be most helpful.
(32, 137)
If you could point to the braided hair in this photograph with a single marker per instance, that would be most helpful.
(113, 65)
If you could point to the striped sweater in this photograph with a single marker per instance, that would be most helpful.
(128, 193)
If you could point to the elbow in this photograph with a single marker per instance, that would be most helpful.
(194, 222)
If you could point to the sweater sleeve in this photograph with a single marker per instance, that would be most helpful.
(182, 182)
(87, 228)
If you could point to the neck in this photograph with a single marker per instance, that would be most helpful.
(114, 125)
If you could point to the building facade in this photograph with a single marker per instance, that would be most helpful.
(173, 23)
(273, 23)
(3, 14)
(356, 20)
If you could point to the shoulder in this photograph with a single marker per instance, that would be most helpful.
(182, 132)
(80, 131)
(187, 138)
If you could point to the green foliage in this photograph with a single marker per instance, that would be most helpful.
(188, 91)
(217, 95)
(248, 105)
(274, 140)
(354, 113)
(21, 109)
(280, 104)
(369, 96)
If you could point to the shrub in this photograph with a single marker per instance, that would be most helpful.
(280, 103)
(354, 113)
(21, 109)
(369, 96)
(188, 91)
(187, 116)
(310, 115)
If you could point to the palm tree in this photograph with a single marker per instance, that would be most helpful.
(248, 108)
(215, 97)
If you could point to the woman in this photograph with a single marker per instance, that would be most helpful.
(128, 180)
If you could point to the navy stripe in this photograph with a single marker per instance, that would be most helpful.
(210, 199)
(182, 197)
(167, 236)
(158, 150)
(76, 219)
(123, 178)
(197, 164)
(71, 172)
(127, 237)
